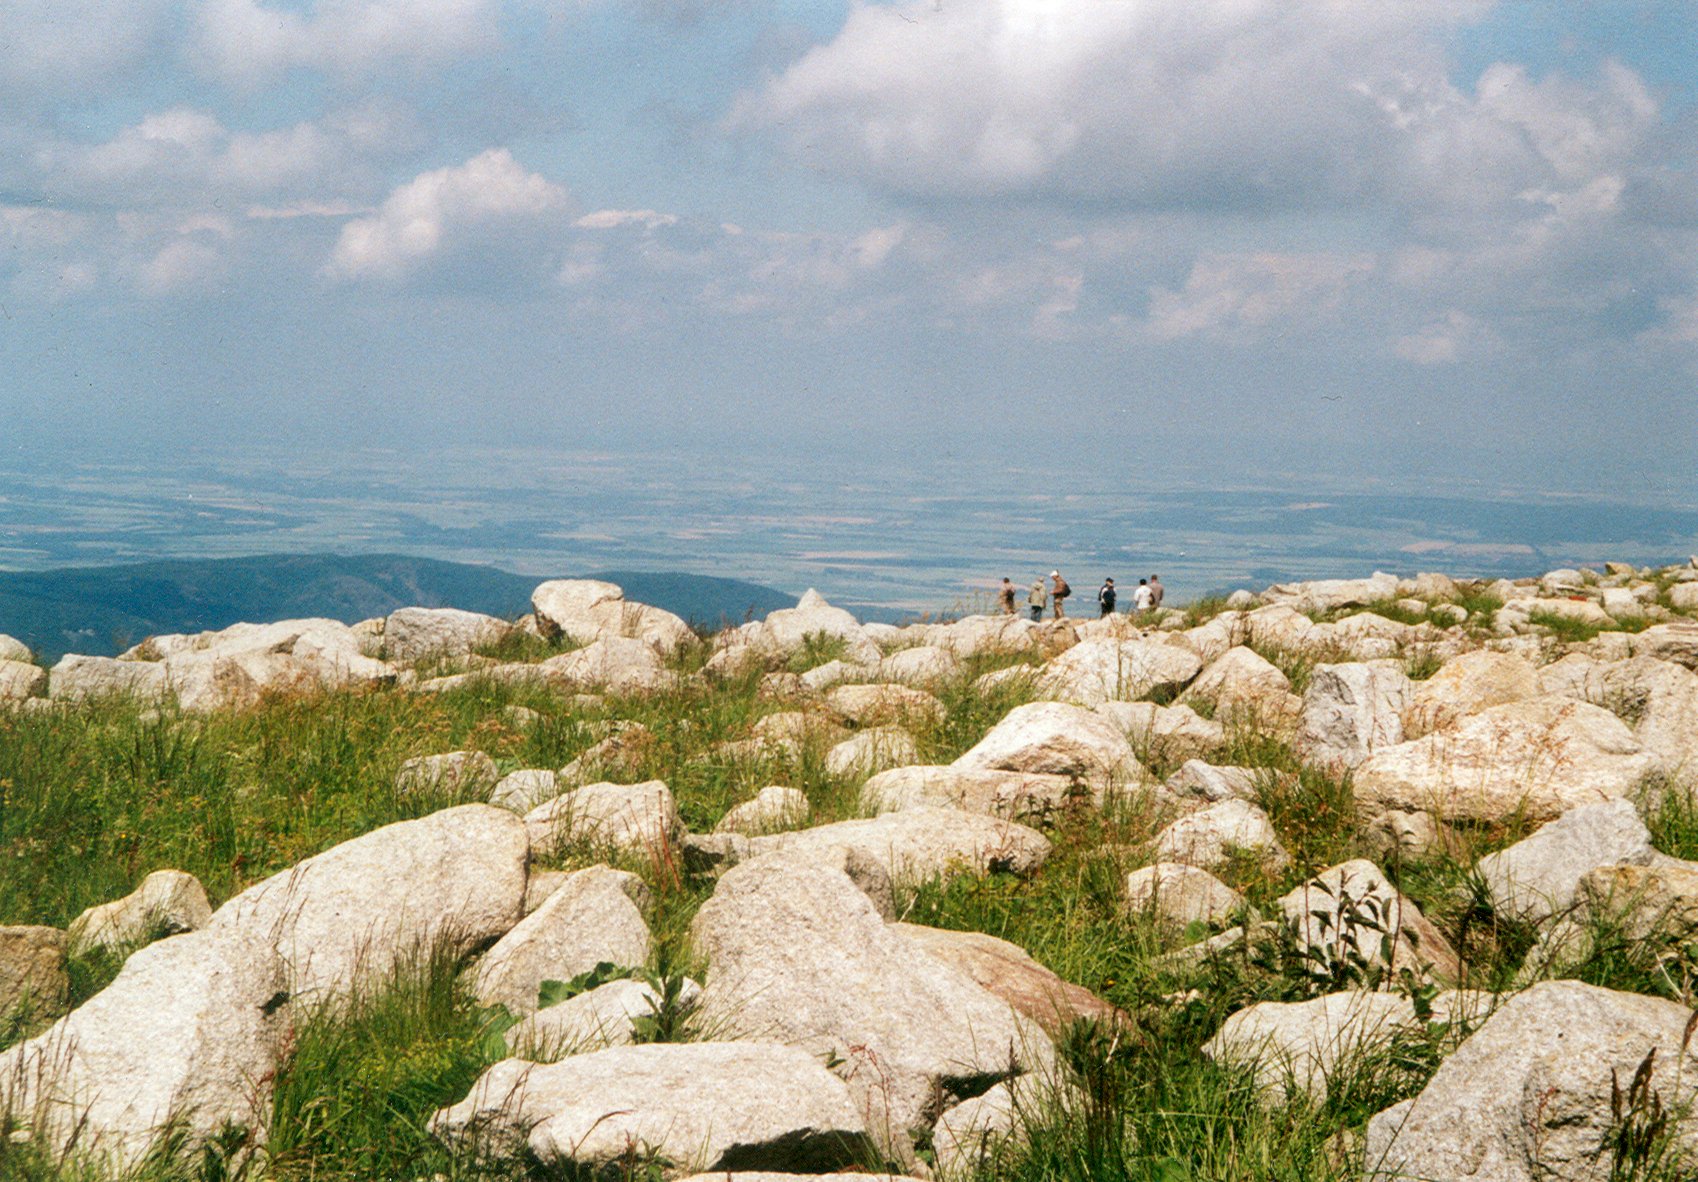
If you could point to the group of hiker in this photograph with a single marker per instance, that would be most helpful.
(1145, 598)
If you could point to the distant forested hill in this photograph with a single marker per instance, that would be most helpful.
(107, 608)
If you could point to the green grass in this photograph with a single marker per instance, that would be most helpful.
(1569, 630)
(91, 801)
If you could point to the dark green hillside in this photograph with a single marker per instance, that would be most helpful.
(105, 609)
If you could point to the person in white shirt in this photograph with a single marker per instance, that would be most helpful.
(1143, 597)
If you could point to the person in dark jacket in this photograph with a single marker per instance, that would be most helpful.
(1105, 597)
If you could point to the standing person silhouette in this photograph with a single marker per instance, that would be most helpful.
(1037, 599)
(1156, 592)
(1058, 593)
(1005, 595)
(1105, 597)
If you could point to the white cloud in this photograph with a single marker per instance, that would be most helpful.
(490, 194)
(52, 48)
(609, 219)
(248, 42)
(1443, 341)
(1235, 297)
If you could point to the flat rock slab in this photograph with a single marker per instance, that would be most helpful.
(1019, 796)
(1057, 739)
(639, 817)
(1010, 972)
(921, 843)
(1108, 670)
(689, 1106)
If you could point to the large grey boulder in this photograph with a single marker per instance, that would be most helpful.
(786, 632)
(924, 665)
(972, 635)
(348, 918)
(187, 1035)
(1011, 973)
(606, 1016)
(449, 776)
(1057, 739)
(525, 789)
(234, 667)
(1199, 781)
(717, 1106)
(1541, 757)
(80, 679)
(773, 808)
(1209, 837)
(1295, 1048)
(1166, 732)
(32, 971)
(920, 843)
(587, 611)
(1108, 670)
(1466, 685)
(971, 1139)
(799, 955)
(1675, 641)
(1241, 682)
(414, 633)
(871, 751)
(20, 680)
(1660, 700)
(1527, 1097)
(1019, 796)
(640, 817)
(1344, 914)
(591, 919)
(1182, 894)
(872, 705)
(13, 649)
(1330, 594)
(167, 902)
(1352, 710)
(1536, 877)
(617, 664)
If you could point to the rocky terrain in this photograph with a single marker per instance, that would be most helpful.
(1366, 878)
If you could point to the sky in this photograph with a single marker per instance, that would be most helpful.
(1424, 241)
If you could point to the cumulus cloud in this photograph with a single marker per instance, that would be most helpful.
(490, 201)
(247, 42)
(1233, 297)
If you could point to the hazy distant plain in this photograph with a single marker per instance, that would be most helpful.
(921, 535)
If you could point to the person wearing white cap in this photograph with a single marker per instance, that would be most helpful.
(1059, 591)
(1037, 598)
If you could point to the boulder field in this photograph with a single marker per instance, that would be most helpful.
(821, 1031)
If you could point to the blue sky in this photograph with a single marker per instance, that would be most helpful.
(1399, 240)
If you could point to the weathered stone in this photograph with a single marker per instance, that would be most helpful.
(1467, 685)
(871, 705)
(1196, 780)
(1659, 699)
(592, 918)
(1241, 681)
(1536, 877)
(1676, 641)
(1010, 972)
(1331, 594)
(167, 903)
(187, 1035)
(1182, 894)
(1528, 1096)
(587, 611)
(1344, 914)
(349, 917)
(616, 664)
(453, 775)
(523, 790)
(925, 842)
(1105, 670)
(541, 885)
(233, 668)
(822, 677)
(603, 1017)
(972, 635)
(1208, 837)
(971, 1139)
(1166, 732)
(1019, 796)
(925, 665)
(79, 679)
(1352, 710)
(697, 1106)
(1542, 757)
(13, 649)
(710, 853)
(1057, 739)
(32, 972)
(620, 816)
(1399, 834)
(20, 680)
(1657, 901)
(786, 632)
(1297, 1047)
(774, 807)
(872, 751)
(799, 955)
(414, 633)
(619, 755)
